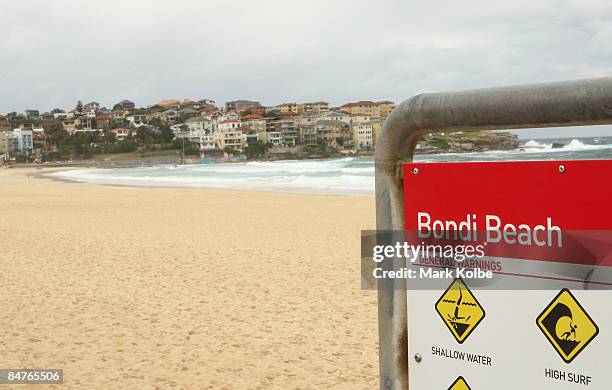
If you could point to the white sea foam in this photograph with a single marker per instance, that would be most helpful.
(333, 176)
(536, 145)
(341, 176)
(574, 146)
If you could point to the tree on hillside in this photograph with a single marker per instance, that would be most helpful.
(146, 135)
(109, 136)
(79, 107)
(190, 148)
(272, 114)
(256, 150)
(167, 135)
(58, 137)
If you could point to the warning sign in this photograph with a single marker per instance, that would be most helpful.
(561, 211)
(460, 310)
(567, 325)
(459, 384)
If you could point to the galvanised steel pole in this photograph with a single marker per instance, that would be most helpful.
(568, 103)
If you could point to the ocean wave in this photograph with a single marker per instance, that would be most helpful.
(350, 181)
(351, 175)
(574, 145)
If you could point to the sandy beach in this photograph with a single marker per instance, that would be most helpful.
(156, 288)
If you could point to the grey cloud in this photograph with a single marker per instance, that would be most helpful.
(54, 53)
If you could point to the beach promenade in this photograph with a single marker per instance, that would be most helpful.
(161, 288)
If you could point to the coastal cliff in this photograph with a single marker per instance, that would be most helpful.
(472, 141)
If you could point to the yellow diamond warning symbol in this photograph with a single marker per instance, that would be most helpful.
(567, 326)
(459, 310)
(459, 384)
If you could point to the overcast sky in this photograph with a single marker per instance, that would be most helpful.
(53, 53)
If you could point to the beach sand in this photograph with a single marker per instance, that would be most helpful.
(146, 288)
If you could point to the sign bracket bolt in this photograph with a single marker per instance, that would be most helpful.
(417, 357)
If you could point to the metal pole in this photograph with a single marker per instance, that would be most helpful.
(568, 103)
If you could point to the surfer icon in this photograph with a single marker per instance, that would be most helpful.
(571, 332)
(567, 325)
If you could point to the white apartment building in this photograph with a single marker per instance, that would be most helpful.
(307, 120)
(25, 140)
(275, 138)
(136, 120)
(121, 133)
(308, 135)
(204, 141)
(228, 125)
(229, 139)
(63, 115)
(226, 116)
(200, 124)
(360, 118)
(202, 137)
(179, 128)
(255, 125)
(335, 116)
(258, 127)
(363, 136)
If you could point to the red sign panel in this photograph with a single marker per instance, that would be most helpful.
(540, 210)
